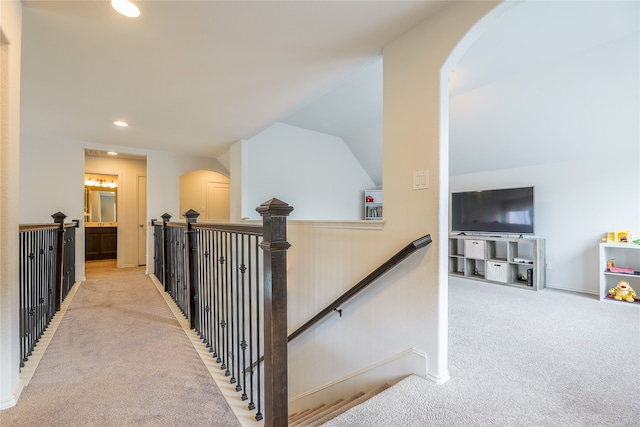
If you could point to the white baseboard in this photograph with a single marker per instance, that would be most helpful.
(389, 370)
(438, 379)
(580, 291)
(12, 400)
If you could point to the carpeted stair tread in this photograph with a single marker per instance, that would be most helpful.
(313, 415)
(297, 419)
(328, 409)
(317, 412)
(339, 407)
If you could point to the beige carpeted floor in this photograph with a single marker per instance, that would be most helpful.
(522, 358)
(119, 358)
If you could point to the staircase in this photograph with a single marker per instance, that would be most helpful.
(314, 417)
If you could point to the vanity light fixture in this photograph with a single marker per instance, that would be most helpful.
(100, 182)
(121, 124)
(126, 8)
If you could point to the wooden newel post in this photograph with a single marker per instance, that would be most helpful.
(58, 218)
(192, 218)
(165, 242)
(274, 217)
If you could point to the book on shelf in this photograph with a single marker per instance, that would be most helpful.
(373, 211)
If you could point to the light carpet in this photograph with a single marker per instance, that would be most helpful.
(522, 358)
(119, 358)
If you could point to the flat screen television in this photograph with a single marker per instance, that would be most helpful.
(503, 211)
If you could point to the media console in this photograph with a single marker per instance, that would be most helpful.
(508, 261)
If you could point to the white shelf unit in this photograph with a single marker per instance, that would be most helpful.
(623, 255)
(373, 205)
(500, 260)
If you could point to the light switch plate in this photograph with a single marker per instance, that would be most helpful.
(421, 180)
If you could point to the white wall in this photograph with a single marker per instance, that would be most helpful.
(407, 306)
(571, 129)
(313, 172)
(62, 163)
(10, 43)
(576, 204)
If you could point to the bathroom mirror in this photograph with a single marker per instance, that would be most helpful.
(100, 204)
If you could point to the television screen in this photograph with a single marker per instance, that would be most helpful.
(507, 211)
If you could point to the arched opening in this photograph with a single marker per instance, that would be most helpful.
(558, 117)
(206, 192)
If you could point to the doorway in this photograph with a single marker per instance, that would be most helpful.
(142, 220)
(217, 201)
(129, 224)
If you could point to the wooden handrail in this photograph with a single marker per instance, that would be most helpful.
(254, 230)
(48, 226)
(375, 274)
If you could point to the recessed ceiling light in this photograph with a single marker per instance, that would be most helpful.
(126, 8)
(121, 124)
(112, 153)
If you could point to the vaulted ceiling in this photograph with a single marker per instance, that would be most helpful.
(195, 76)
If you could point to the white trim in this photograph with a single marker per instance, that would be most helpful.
(358, 224)
(438, 380)
(12, 400)
(574, 290)
(339, 224)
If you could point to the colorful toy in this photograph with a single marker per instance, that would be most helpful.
(623, 292)
(612, 268)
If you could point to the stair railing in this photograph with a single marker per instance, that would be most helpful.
(47, 274)
(235, 297)
(363, 284)
(357, 288)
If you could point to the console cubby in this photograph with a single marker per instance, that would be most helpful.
(623, 255)
(517, 262)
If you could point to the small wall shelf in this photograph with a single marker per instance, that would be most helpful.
(515, 262)
(373, 205)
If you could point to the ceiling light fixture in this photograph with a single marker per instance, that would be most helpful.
(121, 124)
(126, 8)
(112, 153)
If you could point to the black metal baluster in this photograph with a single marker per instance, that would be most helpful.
(31, 286)
(24, 280)
(210, 289)
(206, 287)
(27, 293)
(33, 314)
(223, 312)
(259, 415)
(236, 347)
(232, 300)
(183, 275)
(228, 304)
(199, 285)
(50, 255)
(252, 404)
(214, 295)
(243, 343)
(203, 256)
